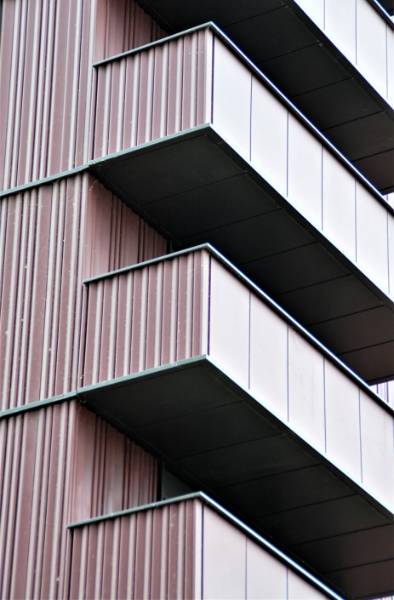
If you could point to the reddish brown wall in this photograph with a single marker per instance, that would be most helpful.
(51, 237)
(58, 464)
(46, 54)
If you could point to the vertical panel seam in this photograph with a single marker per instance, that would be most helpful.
(288, 371)
(325, 404)
(361, 437)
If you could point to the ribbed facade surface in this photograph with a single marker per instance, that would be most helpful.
(58, 464)
(47, 49)
(52, 236)
(177, 551)
(165, 188)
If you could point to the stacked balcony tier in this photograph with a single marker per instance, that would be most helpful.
(334, 59)
(187, 548)
(191, 135)
(191, 359)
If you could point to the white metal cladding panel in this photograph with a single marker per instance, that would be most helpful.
(51, 237)
(58, 463)
(288, 156)
(312, 395)
(385, 391)
(390, 235)
(269, 137)
(153, 93)
(340, 25)
(390, 68)
(372, 224)
(236, 567)
(314, 9)
(268, 358)
(339, 205)
(229, 323)
(361, 34)
(343, 439)
(372, 33)
(146, 317)
(232, 98)
(306, 390)
(305, 178)
(154, 552)
(377, 448)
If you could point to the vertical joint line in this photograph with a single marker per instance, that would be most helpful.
(287, 153)
(249, 334)
(321, 186)
(288, 373)
(388, 254)
(325, 404)
(209, 304)
(361, 437)
(250, 118)
(355, 222)
(212, 79)
(356, 33)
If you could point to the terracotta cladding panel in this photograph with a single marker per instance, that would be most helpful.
(45, 104)
(42, 266)
(58, 464)
(151, 94)
(154, 551)
(46, 54)
(121, 25)
(145, 318)
(51, 238)
(115, 236)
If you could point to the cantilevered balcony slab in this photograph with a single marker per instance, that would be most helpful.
(196, 141)
(188, 547)
(331, 60)
(189, 358)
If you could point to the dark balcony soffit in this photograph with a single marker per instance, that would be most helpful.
(218, 438)
(195, 189)
(388, 5)
(310, 70)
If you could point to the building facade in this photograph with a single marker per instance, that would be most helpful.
(196, 299)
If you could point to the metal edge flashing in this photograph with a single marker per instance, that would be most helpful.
(221, 511)
(164, 40)
(37, 404)
(146, 373)
(273, 88)
(206, 360)
(44, 180)
(380, 9)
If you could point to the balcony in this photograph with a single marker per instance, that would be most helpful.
(189, 547)
(329, 58)
(188, 357)
(192, 136)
